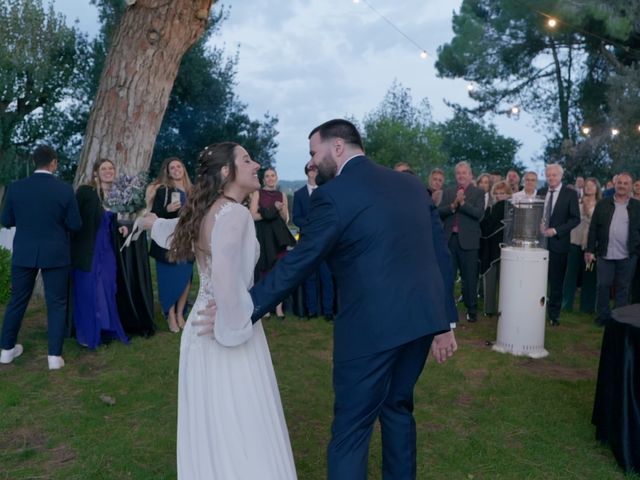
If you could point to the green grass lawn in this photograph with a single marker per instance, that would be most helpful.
(482, 415)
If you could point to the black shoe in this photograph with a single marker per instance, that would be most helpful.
(472, 317)
(329, 317)
(554, 322)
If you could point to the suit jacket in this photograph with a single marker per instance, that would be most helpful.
(384, 243)
(301, 207)
(469, 215)
(44, 211)
(564, 218)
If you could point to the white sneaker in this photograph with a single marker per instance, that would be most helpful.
(55, 362)
(7, 356)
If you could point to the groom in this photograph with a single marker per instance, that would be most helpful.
(384, 242)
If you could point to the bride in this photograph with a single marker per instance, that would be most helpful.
(230, 419)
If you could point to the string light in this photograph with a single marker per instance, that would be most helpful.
(515, 110)
(586, 130)
(614, 132)
(552, 23)
(423, 52)
(471, 87)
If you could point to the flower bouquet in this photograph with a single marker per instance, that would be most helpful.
(126, 196)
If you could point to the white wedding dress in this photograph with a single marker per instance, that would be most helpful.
(230, 420)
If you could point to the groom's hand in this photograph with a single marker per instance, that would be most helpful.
(208, 321)
(443, 346)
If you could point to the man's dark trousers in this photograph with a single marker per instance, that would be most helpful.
(392, 376)
(56, 281)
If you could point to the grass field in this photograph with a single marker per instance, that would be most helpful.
(482, 415)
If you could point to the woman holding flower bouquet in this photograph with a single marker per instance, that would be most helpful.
(165, 196)
(95, 313)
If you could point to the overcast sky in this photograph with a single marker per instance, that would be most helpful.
(308, 61)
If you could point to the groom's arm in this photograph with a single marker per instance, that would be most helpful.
(321, 234)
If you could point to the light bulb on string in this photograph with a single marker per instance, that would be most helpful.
(515, 110)
(423, 55)
(586, 130)
(471, 87)
(614, 132)
(552, 23)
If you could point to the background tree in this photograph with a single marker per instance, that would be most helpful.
(561, 73)
(41, 64)
(399, 131)
(136, 81)
(482, 146)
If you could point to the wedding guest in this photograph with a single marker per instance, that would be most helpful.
(322, 276)
(44, 212)
(483, 182)
(513, 179)
(495, 177)
(270, 211)
(95, 313)
(636, 189)
(436, 183)
(614, 239)
(561, 215)
(461, 210)
(403, 167)
(577, 273)
(492, 227)
(168, 192)
(530, 190)
(579, 185)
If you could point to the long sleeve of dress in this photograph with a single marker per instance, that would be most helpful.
(233, 255)
(162, 231)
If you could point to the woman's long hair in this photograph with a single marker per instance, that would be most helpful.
(95, 178)
(207, 189)
(164, 180)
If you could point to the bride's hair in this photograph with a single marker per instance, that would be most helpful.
(208, 187)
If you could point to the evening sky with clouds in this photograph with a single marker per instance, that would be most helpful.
(307, 61)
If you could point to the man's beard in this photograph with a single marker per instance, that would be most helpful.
(327, 170)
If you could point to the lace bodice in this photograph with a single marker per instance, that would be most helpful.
(226, 254)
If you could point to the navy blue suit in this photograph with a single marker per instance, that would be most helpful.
(384, 242)
(301, 208)
(44, 211)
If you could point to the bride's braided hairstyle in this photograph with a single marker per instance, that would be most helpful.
(208, 187)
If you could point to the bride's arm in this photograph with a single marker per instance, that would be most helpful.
(232, 255)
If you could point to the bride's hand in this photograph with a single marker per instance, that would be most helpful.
(209, 314)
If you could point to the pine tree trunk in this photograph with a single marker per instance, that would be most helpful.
(136, 82)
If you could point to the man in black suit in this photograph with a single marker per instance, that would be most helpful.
(44, 211)
(561, 215)
(301, 207)
(461, 210)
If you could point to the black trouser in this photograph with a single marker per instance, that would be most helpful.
(467, 262)
(557, 269)
(56, 282)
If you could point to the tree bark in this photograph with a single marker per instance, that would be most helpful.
(139, 72)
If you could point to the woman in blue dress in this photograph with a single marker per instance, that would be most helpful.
(95, 314)
(166, 195)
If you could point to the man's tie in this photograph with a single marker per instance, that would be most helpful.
(549, 207)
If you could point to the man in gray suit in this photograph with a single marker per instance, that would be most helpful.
(461, 209)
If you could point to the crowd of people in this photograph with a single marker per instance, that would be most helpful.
(395, 263)
(583, 223)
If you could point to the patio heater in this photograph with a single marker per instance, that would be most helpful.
(523, 281)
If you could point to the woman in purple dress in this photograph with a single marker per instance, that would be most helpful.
(95, 314)
(269, 209)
